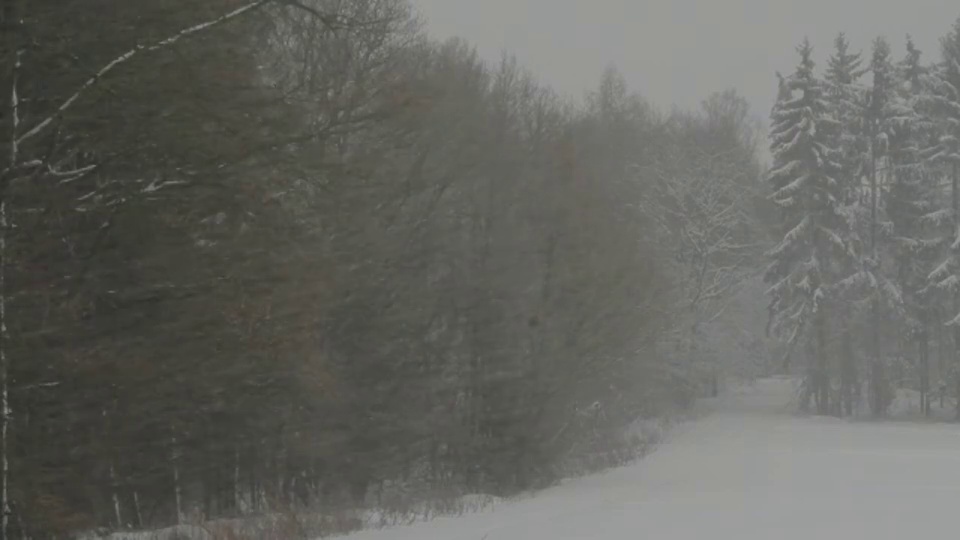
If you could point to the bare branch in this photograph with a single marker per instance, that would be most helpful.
(331, 21)
(334, 21)
(15, 109)
(35, 386)
(125, 57)
(82, 171)
(155, 186)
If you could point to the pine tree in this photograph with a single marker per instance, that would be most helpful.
(810, 259)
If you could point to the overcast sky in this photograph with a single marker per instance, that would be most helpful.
(678, 51)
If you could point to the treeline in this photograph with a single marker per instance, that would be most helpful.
(272, 254)
(866, 174)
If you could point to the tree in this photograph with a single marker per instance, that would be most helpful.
(880, 127)
(43, 149)
(943, 151)
(95, 172)
(808, 262)
(702, 196)
(847, 99)
(291, 261)
(910, 199)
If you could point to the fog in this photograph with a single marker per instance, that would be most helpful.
(478, 270)
(678, 51)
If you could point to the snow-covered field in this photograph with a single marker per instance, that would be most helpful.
(751, 470)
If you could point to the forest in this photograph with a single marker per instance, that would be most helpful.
(297, 256)
(279, 254)
(866, 173)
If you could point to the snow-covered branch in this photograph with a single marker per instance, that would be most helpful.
(155, 186)
(41, 126)
(700, 204)
(15, 108)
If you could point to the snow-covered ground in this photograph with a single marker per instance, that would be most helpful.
(750, 470)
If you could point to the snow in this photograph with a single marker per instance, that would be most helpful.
(786, 170)
(788, 190)
(749, 470)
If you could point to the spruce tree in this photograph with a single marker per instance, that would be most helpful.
(943, 149)
(810, 259)
(909, 199)
(943, 153)
(846, 97)
(879, 124)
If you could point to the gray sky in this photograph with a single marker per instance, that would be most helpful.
(678, 51)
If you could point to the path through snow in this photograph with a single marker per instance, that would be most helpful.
(748, 471)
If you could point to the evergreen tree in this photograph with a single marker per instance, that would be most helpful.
(880, 125)
(810, 259)
(843, 67)
(943, 106)
(909, 199)
(943, 153)
(847, 97)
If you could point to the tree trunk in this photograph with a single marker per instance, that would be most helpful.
(12, 16)
(848, 374)
(941, 347)
(177, 493)
(876, 369)
(877, 396)
(237, 498)
(923, 351)
(136, 508)
(209, 484)
(253, 488)
(822, 386)
(956, 294)
(5, 413)
(115, 496)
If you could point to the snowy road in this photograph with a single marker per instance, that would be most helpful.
(748, 471)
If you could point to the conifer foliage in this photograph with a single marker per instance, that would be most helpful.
(866, 173)
(810, 260)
